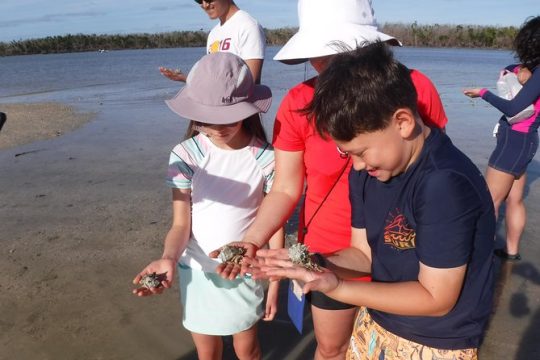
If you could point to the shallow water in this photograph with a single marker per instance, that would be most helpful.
(98, 193)
(130, 79)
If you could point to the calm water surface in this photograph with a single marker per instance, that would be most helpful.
(131, 75)
(130, 78)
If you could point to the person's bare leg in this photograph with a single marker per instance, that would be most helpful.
(209, 347)
(499, 184)
(246, 344)
(333, 329)
(516, 215)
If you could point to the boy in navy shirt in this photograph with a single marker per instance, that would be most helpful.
(422, 219)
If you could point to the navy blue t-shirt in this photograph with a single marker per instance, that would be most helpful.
(439, 212)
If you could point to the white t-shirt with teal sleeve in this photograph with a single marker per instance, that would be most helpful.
(227, 188)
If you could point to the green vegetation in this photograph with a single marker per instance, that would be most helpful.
(468, 36)
(464, 36)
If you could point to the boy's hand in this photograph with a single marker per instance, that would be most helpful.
(175, 74)
(161, 266)
(231, 271)
(275, 264)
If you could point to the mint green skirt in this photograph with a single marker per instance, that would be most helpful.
(216, 306)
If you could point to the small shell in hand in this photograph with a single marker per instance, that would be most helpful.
(152, 280)
(299, 255)
(232, 254)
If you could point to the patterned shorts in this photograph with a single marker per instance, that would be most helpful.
(370, 341)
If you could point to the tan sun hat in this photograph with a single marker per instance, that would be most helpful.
(322, 23)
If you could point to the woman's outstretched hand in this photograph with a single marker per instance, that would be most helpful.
(275, 264)
(231, 271)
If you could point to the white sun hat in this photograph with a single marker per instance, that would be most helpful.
(323, 23)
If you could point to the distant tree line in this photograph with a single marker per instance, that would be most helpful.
(462, 36)
(467, 36)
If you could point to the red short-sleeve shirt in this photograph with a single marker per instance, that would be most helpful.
(330, 229)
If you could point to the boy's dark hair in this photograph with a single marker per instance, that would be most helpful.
(527, 43)
(360, 91)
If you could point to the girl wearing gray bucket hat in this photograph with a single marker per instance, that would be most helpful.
(305, 159)
(218, 176)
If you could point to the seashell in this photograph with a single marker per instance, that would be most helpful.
(152, 280)
(232, 254)
(299, 255)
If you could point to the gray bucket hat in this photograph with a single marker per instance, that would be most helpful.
(220, 90)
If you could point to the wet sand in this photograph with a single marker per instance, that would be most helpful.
(82, 213)
(30, 122)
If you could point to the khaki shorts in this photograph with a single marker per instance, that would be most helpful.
(369, 341)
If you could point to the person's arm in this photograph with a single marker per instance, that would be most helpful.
(434, 294)
(175, 75)
(175, 242)
(525, 97)
(252, 44)
(354, 261)
(277, 241)
(255, 65)
(278, 205)
(274, 211)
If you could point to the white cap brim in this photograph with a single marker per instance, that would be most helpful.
(313, 43)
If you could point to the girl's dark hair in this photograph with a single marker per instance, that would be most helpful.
(360, 91)
(527, 43)
(252, 125)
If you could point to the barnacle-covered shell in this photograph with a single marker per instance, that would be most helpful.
(152, 280)
(299, 255)
(231, 254)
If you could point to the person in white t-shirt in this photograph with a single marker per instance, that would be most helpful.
(237, 32)
(219, 176)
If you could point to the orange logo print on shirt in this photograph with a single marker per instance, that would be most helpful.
(398, 233)
(214, 47)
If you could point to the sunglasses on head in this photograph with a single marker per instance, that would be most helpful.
(206, 1)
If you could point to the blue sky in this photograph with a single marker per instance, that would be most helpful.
(23, 19)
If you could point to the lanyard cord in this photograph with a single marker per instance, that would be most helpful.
(305, 228)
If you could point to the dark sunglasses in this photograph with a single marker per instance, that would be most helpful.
(206, 1)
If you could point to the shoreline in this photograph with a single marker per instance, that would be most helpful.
(29, 122)
(410, 34)
(82, 214)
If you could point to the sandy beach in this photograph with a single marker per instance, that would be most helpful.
(83, 211)
(80, 217)
(30, 122)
